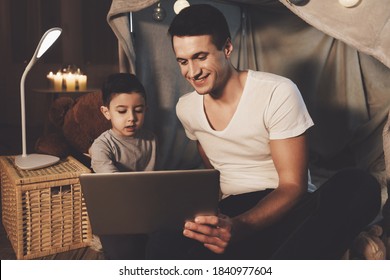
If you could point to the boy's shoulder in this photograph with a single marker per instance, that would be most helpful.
(104, 135)
(102, 139)
(109, 136)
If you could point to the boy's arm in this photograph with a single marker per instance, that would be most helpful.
(101, 159)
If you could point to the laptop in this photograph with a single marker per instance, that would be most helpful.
(148, 201)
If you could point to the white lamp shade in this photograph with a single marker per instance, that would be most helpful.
(47, 40)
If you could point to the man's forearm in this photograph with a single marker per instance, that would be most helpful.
(266, 212)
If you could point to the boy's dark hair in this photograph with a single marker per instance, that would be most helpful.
(121, 83)
(201, 19)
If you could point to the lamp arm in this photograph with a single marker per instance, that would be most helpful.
(46, 41)
(23, 106)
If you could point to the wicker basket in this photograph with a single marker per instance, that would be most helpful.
(43, 210)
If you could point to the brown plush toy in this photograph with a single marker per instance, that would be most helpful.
(369, 244)
(74, 125)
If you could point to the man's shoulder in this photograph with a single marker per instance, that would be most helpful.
(187, 99)
(189, 96)
(267, 77)
(186, 105)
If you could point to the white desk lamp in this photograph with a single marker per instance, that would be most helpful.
(35, 161)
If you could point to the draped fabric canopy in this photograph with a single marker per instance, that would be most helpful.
(338, 60)
(366, 27)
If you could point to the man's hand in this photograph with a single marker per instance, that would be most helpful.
(213, 231)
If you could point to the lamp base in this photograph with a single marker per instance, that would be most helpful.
(35, 161)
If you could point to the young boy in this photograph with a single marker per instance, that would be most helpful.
(127, 146)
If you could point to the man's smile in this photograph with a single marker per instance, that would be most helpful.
(200, 80)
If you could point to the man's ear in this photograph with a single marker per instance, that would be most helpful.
(228, 48)
(105, 112)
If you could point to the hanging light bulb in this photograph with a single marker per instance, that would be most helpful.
(180, 5)
(349, 3)
(159, 13)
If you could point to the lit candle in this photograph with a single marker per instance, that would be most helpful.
(82, 80)
(50, 76)
(57, 81)
(70, 82)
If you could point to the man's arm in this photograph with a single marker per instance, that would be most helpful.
(290, 159)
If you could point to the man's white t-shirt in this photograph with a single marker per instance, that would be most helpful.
(271, 107)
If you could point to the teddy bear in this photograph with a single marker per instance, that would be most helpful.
(371, 244)
(73, 125)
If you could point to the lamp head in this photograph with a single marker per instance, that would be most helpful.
(46, 41)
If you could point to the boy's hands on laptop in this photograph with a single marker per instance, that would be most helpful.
(214, 232)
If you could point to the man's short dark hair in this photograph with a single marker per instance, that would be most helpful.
(121, 83)
(201, 19)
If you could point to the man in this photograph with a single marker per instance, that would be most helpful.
(252, 127)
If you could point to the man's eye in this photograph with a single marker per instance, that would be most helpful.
(182, 62)
(122, 112)
(141, 110)
(203, 57)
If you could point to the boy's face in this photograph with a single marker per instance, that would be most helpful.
(204, 66)
(126, 113)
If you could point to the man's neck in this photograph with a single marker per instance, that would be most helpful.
(233, 88)
(219, 111)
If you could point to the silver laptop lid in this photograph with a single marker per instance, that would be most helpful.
(144, 202)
